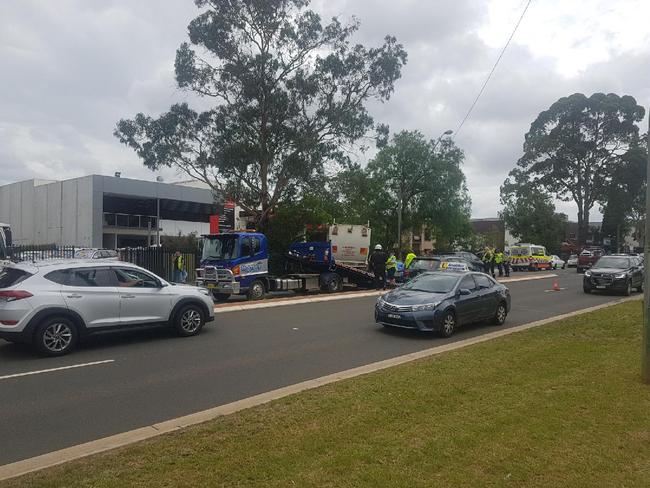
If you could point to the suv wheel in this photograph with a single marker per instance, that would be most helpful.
(56, 336)
(628, 289)
(189, 320)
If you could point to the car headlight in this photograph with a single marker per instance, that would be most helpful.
(587, 274)
(620, 276)
(425, 306)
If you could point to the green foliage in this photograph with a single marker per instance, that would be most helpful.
(288, 97)
(574, 148)
(425, 179)
(624, 207)
(530, 216)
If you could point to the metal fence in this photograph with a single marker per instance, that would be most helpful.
(161, 261)
(38, 253)
(158, 260)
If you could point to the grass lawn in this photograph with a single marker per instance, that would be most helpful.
(560, 405)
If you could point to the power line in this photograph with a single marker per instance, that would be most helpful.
(493, 69)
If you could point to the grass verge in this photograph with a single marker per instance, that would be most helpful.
(559, 405)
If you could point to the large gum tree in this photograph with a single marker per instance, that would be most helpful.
(573, 149)
(286, 96)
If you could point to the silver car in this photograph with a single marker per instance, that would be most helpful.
(52, 304)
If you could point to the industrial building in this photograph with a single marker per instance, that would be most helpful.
(103, 211)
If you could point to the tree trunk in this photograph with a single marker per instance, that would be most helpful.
(583, 226)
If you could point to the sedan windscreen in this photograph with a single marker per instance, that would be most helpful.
(432, 283)
(612, 262)
(425, 264)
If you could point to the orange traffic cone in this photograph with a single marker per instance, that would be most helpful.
(556, 286)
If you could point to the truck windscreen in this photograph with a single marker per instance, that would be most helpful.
(225, 247)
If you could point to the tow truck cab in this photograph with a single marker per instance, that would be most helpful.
(231, 262)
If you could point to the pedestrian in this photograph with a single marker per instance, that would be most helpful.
(498, 260)
(409, 259)
(391, 268)
(377, 264)
(179, 273)
(506, 264)
(493, 262)
(487, 260)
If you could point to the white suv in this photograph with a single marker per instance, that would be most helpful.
(53, 303)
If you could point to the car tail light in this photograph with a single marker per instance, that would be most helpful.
(8, 322)
(13, 295)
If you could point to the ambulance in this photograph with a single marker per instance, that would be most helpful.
(531, 257)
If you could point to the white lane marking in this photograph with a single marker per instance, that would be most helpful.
(73, 366)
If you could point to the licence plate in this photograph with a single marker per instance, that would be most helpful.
(394, 316)
(601, 287)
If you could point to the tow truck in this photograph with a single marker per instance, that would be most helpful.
(5, 243)
(237, 263)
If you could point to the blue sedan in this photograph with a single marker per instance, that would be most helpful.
(443, 301)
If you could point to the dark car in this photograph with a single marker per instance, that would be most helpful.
(473, 265)
(421, 265)
(615, 273)
(442, 301)
(473, 259)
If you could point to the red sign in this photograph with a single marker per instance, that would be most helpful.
(214, 224)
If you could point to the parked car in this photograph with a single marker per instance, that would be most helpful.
(557, 262)
(473, 259)
(588, 257)
(96, 254)
(442, 301)
(473, 265)
(615, 273)
(572, 262)
(420, 265)
(52, 304)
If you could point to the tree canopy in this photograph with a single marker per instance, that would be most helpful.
(287, 96)
(574, 148)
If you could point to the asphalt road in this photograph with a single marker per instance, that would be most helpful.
(155, 376)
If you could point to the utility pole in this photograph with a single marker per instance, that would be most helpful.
(399, 225)
(645, 371)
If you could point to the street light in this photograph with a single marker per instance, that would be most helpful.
(448, 132)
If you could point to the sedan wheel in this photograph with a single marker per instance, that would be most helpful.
(448, 325)
(189, 321)
(501, 314)
(56, 336)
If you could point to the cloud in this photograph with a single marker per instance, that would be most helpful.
(72, 68)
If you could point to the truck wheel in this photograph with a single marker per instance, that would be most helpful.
(331, 283)
(257, 290)
(220, 297)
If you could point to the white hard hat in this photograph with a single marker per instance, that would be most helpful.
(378, 247)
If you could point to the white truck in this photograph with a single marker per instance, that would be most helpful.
(5, 242)
(350, 243)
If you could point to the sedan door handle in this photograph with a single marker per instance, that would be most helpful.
(128, 296)
(74, 296)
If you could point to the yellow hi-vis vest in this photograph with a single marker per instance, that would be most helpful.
(409, 259)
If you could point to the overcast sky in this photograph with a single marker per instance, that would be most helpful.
(71, 68)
